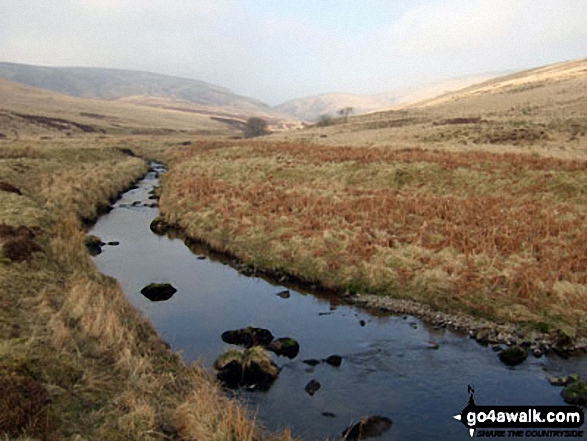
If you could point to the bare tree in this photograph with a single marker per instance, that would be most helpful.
(345, 112)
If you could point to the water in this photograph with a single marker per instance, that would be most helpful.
(388, 366)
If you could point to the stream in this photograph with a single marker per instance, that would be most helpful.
(394, 366)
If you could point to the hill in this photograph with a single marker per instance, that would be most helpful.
(142, 88)
(542, 110)
(31, 112)
(312, 107)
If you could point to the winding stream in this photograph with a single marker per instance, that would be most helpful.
(389, 365)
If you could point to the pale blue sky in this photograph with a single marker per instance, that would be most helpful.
(276, 50)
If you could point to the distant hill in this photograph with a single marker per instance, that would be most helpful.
(543, 109)
(312, 107)
(144, 88)
(30, 112)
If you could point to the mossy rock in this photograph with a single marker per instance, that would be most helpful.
(94, 244)
(564, 380)
(285, 346)
(513, 355)
(160, 226)
(368, 427)
(248, 337)
(157, 292)
(575, 393)
(252, 368)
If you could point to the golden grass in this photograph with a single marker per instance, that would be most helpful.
(498, 235)
(69, 331)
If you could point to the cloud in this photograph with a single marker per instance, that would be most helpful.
(490, 33)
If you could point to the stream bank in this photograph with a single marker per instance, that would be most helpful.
(397, 366)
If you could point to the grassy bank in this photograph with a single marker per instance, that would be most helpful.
(501, 236)
(77, 362)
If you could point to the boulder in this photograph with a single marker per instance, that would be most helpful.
(248, 337)
(334, 360)
(157, 292)
(311, 362)
(513, 355)
(251, 368)
(312, 387)
(285, 346)
(283, 294)
(367, 427)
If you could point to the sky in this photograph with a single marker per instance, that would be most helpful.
(276, 50)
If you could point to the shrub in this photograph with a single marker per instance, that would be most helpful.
(255, 127)
(325, 120)
(20, 248)
(23, 405)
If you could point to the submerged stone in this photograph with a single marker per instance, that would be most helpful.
(312, 387)
(334, 360)
(367, 427)
(311, 362)
(157, 292)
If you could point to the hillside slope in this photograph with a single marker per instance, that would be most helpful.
(30, 112)
(114, 84)
(542, 110)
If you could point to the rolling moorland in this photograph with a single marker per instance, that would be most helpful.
(193, 96)
(472, 203)
(312, 107)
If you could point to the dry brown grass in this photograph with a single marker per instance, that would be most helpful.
(541, 112)
(98, 369)
(498, 235)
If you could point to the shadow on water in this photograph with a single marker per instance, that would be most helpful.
(391, 365)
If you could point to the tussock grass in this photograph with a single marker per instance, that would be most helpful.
(498, 235)
(68, 333)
